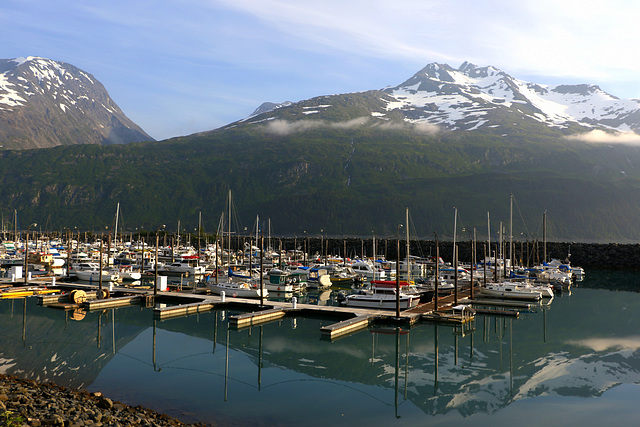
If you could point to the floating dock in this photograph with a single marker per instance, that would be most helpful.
(450, 309)
(169, 312)
(259, 317)
(348, 326)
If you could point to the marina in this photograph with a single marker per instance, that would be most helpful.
(237, 291)
(203, 366)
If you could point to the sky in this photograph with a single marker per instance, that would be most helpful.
(177, 67)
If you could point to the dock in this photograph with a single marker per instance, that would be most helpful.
(348, 326)
(246, 320)
(168, 312)
(348, 320)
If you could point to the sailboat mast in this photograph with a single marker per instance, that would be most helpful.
(408, 259)
(511, 233)
(500, 249)
(488, 235)
(455, 230)
(115, 230)
(199, 229)
(544, 235)
(229, 228)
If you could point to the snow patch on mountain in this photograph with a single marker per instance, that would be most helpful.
(9, 97)
(66, 102)
(462, 99)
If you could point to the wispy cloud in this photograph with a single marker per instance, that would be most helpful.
(273, 50)
(602, 344)
(283, 127)
(588, 39)
(601, 137)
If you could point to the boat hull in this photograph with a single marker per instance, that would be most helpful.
(237, 291)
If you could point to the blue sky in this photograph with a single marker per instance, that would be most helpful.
(178, 67)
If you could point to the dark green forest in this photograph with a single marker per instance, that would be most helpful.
(346, 182)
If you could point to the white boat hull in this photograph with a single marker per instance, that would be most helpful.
(94, 276)
(237, 290)
(510, 292)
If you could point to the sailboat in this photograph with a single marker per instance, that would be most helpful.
(241, 289)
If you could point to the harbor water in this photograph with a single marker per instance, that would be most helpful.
(573, 361)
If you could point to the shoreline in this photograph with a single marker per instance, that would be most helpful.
(26, 402)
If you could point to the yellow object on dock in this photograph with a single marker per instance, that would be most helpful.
(24, 292)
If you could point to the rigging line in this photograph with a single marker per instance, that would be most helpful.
(526, 229)
(134, 358)
(210, 373)
(185, 357)
(412, 225)
(235, 218)
(328, 382)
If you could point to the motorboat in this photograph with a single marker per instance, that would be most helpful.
(90, 272)
(382, 294)
(368, 271)
(279, 281)
(187, 264)
(237, 289)
(126, 273)
(510, 290)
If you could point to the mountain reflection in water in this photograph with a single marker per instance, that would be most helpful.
(534, 369)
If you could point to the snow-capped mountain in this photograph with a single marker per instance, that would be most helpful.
(475, 98)
(44, 103)
(472, 97)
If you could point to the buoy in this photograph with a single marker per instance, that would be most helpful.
(235, 294)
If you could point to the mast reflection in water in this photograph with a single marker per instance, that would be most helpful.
(577, 357)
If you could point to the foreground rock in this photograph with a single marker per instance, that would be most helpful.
(26, 402)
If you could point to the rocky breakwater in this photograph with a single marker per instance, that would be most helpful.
(25, 402)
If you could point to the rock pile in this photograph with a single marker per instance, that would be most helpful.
(25, 402)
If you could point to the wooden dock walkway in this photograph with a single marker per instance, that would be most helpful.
(349, 319)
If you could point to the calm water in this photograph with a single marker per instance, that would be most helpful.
(573, 362)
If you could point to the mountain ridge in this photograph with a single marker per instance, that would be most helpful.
(486, 99)
(45, 103)
(350, 164)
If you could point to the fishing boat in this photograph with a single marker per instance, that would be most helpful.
(382, 295)
(510, 290)
(279, 281)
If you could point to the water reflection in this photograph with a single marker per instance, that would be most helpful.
(199, 369)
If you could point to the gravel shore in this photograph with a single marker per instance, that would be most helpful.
(27, 403)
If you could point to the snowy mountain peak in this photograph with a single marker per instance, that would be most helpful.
(473, 97)
(46, 103)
